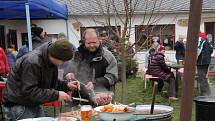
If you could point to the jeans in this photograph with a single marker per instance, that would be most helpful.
(171, 89)
(19, 112)
(202, 80)
(160, 85)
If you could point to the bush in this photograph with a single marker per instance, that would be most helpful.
(131, 67)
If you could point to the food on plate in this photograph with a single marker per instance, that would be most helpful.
(112, 112)
(114, 108)
(66, 119)
(102, 98)
(75, 114)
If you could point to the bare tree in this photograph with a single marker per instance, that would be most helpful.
(114, 16)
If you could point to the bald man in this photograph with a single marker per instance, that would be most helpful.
(93, 65)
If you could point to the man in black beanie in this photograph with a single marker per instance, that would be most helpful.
(37, 40)
(34, 81)
(37, 37)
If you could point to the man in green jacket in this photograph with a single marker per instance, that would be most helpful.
(34, 81)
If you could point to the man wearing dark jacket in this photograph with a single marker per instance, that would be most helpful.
(205, 50)
(180, 49)
(93, 65)
(37, 40)
(38, 36)
(34, 81)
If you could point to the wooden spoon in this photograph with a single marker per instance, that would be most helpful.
(155, 86)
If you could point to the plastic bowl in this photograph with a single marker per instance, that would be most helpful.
(118, 116)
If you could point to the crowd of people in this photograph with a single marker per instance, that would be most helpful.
(33, 77)
(156, 65)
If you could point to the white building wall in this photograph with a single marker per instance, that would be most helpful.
(51, 26)
(137, 20)
(57, 26)
(20, 26)
(88, 21)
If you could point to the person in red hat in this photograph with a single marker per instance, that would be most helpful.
(159, 69)
(203, 35)
(204, 52)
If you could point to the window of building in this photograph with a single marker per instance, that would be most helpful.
(104, 30)
(2, 36)
(210, 31)
(52, 37)
(12, 38)
(144, 35)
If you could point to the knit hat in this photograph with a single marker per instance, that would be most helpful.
(203, 35)
(37, 31)
(61, 50)
(161, 48)
(61, 36)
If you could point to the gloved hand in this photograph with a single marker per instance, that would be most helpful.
(70, 76)
(73, 85)
(89, 86)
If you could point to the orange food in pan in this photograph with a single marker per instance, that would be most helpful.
(114, 108)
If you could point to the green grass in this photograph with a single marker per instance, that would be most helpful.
(137, 93)
(212, 80)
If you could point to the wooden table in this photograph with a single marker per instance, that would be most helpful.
(175, 66)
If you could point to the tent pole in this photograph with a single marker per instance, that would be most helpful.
(67, 29)
(28, 25)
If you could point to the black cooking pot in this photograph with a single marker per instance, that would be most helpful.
(205, 108)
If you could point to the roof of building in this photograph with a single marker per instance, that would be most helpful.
(99, 7)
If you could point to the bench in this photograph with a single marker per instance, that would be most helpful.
(145, 77)
(149, 77)
(211, 73)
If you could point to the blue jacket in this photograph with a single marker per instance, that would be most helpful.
(22, 51)
(11, 57)
(36, 42)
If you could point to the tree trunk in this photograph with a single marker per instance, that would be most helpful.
(123, 73)
(190, 60)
